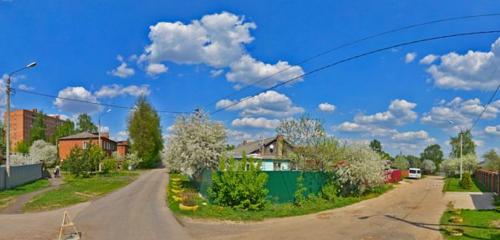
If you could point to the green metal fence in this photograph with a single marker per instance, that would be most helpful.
(281, 184)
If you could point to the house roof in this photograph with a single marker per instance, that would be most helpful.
(82, 135)
(250, 147)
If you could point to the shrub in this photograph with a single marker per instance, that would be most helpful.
(466, 181)
(82, 162)
(300, 192)
(22, 147)
(44, 151)
(189, 198)
(428, 166)
(242, 185)
(362, 171)
(109, 165)
(329, 192)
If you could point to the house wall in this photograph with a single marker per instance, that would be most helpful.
(65, 145)
(122, 150)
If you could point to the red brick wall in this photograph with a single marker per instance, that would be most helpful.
(66, 145)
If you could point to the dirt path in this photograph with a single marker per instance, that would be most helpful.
(17, 204)
(411, 211)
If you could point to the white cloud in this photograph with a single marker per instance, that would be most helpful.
(121, 136)
(473, 70)
(428, 59)
(326, 107)
(154, 69)
(217, 40)
(492, 130)
(24, 87)
(78, 93)
(270, 103)
(123, 71)
(215, 73)
(236, 137)
(114, 90)
(461, 112)
(400, 112)
(410, 136)
(255, 122)
(247, 71)
(410, 57)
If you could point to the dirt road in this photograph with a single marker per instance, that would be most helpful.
(411, 211)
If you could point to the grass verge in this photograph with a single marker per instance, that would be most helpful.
(272, 210)
(477, 224)
(452, 184)
(77, 190)
(7, 195)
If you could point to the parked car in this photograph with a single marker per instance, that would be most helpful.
(415, 173)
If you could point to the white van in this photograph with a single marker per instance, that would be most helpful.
(414, 173)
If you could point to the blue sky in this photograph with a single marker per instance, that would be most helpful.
(189, 54)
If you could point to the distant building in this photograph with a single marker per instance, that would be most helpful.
(273, 152)
(21, 122)
(122, 148)
(83, 140)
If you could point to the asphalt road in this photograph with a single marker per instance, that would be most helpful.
(137, 211)
(411, 211)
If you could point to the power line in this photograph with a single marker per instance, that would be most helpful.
(485, 107)
(356, 57)
(348, 44)
(89, 102)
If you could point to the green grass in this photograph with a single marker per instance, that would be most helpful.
(7, 195)
(452, 184)
(316, 204)
(478, 224)
(78, 189)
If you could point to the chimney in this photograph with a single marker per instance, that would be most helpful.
(280, 145)
(244, 142)
(34, 110)
(105, 134)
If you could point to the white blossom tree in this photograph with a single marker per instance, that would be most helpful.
(428, 166)
(43, 151)
(194, 142)
(362, 171)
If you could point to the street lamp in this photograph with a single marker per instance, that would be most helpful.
(461, 147)
(8, 91)
(99, 124)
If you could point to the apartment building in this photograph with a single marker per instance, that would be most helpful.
(21, 122)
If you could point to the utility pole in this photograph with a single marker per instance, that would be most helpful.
(8, 90)
(461, 149)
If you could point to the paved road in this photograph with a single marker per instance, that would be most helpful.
(411, 211)
(137, 211)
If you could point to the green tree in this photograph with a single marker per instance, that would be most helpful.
(413, 161)
(63, 130)
(376, 146)
(145, 133)
(492, 160)
(38, 128)
(22, 147)
(400, 162)
(433, 152)
(469, 147)
(85, 124)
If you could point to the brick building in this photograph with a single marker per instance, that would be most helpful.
(84, 140)
(21, 122)
(122, 148)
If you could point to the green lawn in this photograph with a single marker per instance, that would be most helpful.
(478, 224)
(78, 189)
(7, 195)
(271, 210)
(453, 185)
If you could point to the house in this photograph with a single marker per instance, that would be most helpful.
(84, 140)
(122, 148)
(21, 122)
(274, 153)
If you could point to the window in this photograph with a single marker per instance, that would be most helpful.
(276, 166)
(85, 145)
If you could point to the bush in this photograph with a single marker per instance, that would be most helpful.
(300, 192)
(82, 162)
(452, 166)
(362, 171)
(239, 185)
(329, 192)
(109, 165)
(466, 181)
(428, 166)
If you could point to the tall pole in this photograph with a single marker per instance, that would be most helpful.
(7, 150)
(461, 149)
(99, 130)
